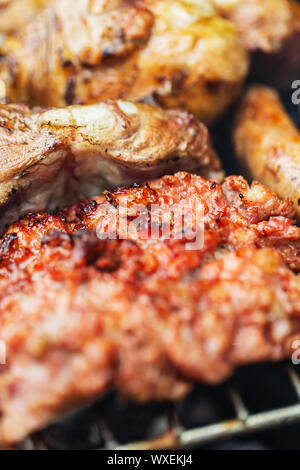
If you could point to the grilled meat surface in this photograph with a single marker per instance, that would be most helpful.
(270, 30)
(53, 158)
(82, 311)
(16, 13)
(180, 52)
(268, 143)
(263, 24)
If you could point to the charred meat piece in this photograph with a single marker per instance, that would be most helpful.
(180, 53)
(82, 313)
(52, 158)
(268, 144)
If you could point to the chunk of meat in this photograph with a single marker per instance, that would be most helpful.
(271, 31)
(16, 13)
(267, 143)
(82, 313)
(52, 158)
(181, 53)
(262, 24)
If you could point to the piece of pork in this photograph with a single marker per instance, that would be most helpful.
(181, 53)
(52, 158)
(267, 143)
(82, 313)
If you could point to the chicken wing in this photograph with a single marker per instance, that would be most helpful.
(79, 52)
(52, 158)
(81, 314)
(268, 143)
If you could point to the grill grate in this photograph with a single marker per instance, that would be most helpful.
(100, 433)
(243, 423)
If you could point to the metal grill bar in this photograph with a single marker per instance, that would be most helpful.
(110, 442)
(294, 379)
(226, 429)
(240, 409)
(244, 423)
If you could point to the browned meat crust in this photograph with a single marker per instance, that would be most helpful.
(49, 159)
(263, 24)
(16, 13)
(80, 315)
(271, 31)
(82, 52)
(268, 143)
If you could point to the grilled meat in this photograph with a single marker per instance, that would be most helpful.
(263, 24)
(52, 158)
(81, 314)
(268, 143)
(16, 13)
(271, 31)
(180, 52)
